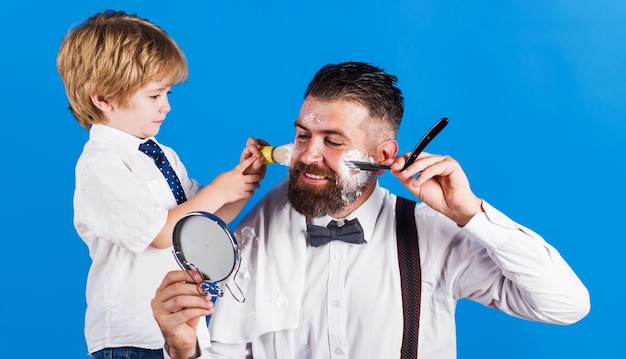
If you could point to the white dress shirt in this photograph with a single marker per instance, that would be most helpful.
(121, 203)
(344, 300)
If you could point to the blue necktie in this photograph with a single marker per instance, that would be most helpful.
(350, 232)
(153, 150)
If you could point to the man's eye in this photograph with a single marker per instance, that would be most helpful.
(332, 143)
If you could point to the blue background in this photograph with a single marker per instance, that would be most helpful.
(534, 91)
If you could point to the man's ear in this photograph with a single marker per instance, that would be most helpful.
(386, 150)
(100, 102)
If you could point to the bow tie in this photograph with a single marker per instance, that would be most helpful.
(350, 232)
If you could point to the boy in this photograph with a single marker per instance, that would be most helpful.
(117, 70)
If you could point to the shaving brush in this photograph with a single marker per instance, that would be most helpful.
(277, 154)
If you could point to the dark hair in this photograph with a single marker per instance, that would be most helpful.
(366, 84)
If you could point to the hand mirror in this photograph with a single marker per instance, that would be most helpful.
(204, 243)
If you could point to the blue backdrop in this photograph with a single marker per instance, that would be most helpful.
(534, 91)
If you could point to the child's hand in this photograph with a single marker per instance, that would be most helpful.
(236, 184)
(253, 149)
(229, 191)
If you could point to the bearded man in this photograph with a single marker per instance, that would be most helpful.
(310, 297)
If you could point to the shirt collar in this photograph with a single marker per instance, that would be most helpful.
(109, 135)
(367, 213)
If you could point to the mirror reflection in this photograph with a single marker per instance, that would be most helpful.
(206, 244)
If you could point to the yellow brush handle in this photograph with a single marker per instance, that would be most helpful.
(266, 151)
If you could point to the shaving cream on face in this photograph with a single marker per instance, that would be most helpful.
(307, 115)
(352, 181)
(311, 117)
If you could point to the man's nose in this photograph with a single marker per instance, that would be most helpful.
(312, 152)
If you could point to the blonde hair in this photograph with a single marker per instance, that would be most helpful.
(113, 54)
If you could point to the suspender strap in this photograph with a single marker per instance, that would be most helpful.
(410, 274)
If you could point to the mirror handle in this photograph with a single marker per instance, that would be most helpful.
(243, 297)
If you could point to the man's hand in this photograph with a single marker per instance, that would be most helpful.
(441, 184)
(177, 308)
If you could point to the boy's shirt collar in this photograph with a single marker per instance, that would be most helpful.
(108, 134)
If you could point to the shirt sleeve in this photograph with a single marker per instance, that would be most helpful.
(113, 204)
(229, 351)
(219, 350)
(509, 267)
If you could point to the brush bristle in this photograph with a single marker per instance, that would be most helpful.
(282, 154)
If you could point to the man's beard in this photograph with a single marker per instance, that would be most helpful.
(316, 201)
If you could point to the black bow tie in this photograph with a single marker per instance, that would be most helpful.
(350, 232)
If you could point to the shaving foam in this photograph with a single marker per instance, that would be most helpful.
(352, 181)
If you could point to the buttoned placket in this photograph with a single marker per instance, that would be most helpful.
(335, 305)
